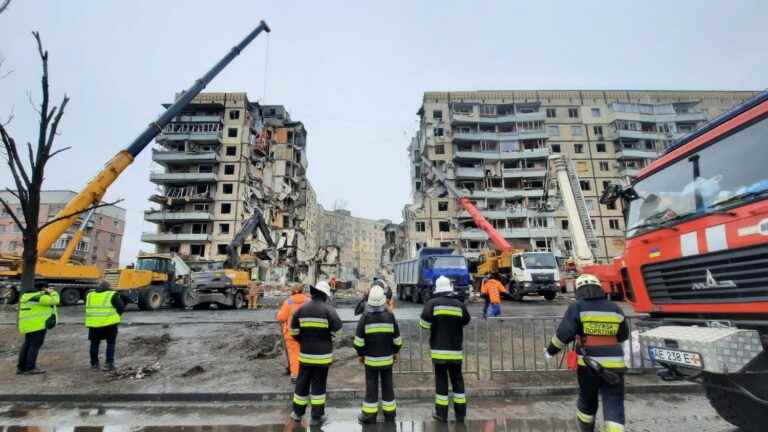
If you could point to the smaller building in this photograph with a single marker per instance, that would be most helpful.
(359, 241)
(101, 240)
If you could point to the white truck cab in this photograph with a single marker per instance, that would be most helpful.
(534, 273)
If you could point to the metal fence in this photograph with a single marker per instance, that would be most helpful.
(504, 345)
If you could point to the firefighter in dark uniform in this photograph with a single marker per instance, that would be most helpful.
(377, 341)
(314, 325)
(445, 317)
(599, 327)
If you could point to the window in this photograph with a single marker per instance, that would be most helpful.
(229, 169)
(421, 226)
(446, 244)
(573, 112)
(438, 132)
(649, 145)
(226, 208)
(555, 148)
(224, 228)
(420, 245)
(613, 224)
(231, 151)
(551, 113)
(603, 166)
(606, 184)
(564, 224)
(577, 131)
(578, 148)
(600, 147)
(440, 149)
(196, 229)
(174, 248)
(245, 249)
(116, 223)
(437, 114)
(197, 249)
(444, 226)
(227, 188)
(234, 114)
(611, 206)
(442, 206)
(232, 132)
(598, 130)
(553, 130)
(221, 249)
(585, 185)
(595, 112)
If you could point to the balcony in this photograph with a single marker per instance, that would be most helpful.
(626, 153)
(497, 136)
(469, 172)
(193, 128)
(182, 178)
(637, 135)
(524, 173)
(690, 117)
(629, 171)
(176, 216)
(500, 213)
(506, 193)
(510, 233)
(165, 157)
(476, 136)
(496, 155)
(509, 118)
(174, 237)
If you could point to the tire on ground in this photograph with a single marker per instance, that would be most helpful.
(151, 299)
(187, 298)
(70, 296)
(550, 295)
(738, 409)
(238, 300)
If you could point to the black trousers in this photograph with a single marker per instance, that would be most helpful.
(444, 371)
(374, 377)
(29, 350)
(310, 389)
(111, 345)
(590, 386)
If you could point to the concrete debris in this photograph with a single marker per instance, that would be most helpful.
(155, 346)
(135, 372)
(193, 371)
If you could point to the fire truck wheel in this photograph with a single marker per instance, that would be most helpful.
(739, 410)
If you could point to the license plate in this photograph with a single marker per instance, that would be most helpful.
(684, 358)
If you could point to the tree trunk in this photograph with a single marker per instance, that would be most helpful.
(30, 263)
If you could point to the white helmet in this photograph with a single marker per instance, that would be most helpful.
(587, 279)
(324, 288)
(376, 296)
(443, 285)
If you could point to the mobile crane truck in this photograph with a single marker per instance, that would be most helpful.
(696, 261)
(71, 279)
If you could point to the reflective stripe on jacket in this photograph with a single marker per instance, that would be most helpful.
(445, 316)
(314, 326)
(99, 311)
(34, 310)
(377, 338)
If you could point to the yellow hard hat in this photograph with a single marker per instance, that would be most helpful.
(587, 279)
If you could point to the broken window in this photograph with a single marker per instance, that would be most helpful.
(598, 130)
(442, 206)
(600, 147)
(437, 114)
(438, 132)
(221, 249)
(444, 226)
(232, 132)
(555, 148)
(564, 224)
(197, 249)
(231, 151)
(585, 185)
(227, 188)
(224, 228)
(199, 228)
(487, 110)
(440, 149)
(603, 166)
(234, 114)
(174, 248)
(421, 226)
(226, 208)
(205, 169)
(578, 148)
(229, 169)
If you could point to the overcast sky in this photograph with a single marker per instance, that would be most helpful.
(353, 72)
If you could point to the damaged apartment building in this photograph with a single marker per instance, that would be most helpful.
(223, 158)
(494, 147)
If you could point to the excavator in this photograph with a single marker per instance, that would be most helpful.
(166, 279)
(71, 279)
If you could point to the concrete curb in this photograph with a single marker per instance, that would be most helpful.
(343, 394)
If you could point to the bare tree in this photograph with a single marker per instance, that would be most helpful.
(4, 5)
(28, 175)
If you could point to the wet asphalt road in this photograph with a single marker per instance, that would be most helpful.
(647, 413)
(531, 307)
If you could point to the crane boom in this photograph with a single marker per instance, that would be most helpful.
(95, 189)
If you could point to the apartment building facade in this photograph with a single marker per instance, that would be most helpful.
(494, 145)
(359, 241)
(101, 240)
(221, 159)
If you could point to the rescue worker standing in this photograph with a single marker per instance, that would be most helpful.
(37, 314)
(491, 290)
(445, 317)
(360, 307)
(284, 315)
(314, 326)
(103, 310)
(599, 327)
(377, 342)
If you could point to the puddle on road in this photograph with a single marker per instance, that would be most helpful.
(505, 425)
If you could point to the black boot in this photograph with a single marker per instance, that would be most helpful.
(585, 427)
(364, 418)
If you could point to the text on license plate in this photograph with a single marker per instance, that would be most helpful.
(674, 356)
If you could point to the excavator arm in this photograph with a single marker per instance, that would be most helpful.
(94, 191)
(256, 221)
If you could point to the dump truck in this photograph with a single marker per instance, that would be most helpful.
(695, 261)
(73, 280)
(415, 278)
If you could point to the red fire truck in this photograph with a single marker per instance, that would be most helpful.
(696, 260)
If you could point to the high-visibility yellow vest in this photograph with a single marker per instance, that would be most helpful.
(99, 311)
(34, 310)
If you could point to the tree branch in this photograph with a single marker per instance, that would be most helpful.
(54, 220)
(14, 161)
(4, 5)
(13, 215)
(61, 150)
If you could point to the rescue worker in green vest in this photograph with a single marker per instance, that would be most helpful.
(103, 309)
(599, 327)
(37, 314)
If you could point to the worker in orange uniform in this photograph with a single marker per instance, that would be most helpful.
(253, 295)
(284, 315)
(492, 288)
